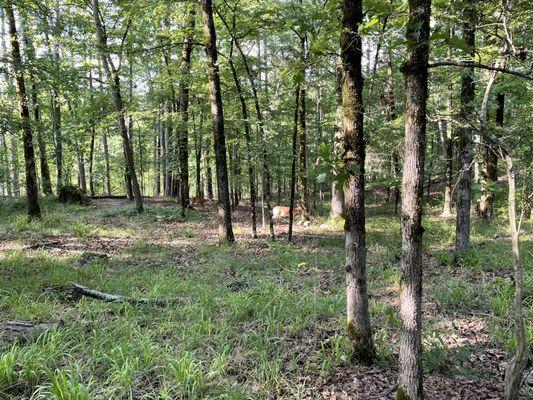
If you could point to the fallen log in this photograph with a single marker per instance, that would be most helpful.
(79, 291)
(25, 330)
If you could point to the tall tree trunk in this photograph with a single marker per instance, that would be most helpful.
(198, 143)
(358, 319)
(390, 105)
(91, 161)
(415, 70)
(464, 192)
(13, 154)
(82, 181)
(56, 101)
(14, 160)
(157, 161)
(447, 149)
(248, 139)
(293, 161)
(32, 192)
(302, 135)
(208, 173)
(519, 362)
(225, 230)
(4, 160)
(43, 158)
(113, 79)
(491, 160)
(183, 137)
(107, 169)
(259, 115)
(337, 191)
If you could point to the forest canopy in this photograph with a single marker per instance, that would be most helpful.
(391, 139)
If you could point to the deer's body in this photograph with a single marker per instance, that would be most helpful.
(279, 212)
(197, 201)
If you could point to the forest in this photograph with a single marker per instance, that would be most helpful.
(266, 199)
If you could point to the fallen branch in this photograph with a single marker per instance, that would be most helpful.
(79, 290)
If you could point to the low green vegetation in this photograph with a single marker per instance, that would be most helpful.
(255, 320)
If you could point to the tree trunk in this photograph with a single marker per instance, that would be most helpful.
(415, 70)
(198, 143)
(225, 230)
(13, 154)
(390, 105)
(56, 104)
(293, 161)
(491, 160)
(82, 181)
(266, 170)
(447, 150)
(183, 136)
(208, 173)
(302, 136)
(248, 139)
(157, 160)
(91, 161)
(45, 169)
(337, 191)
(106, 162)
(113, 79)
(464, 192)
(32, 193)
(4, 160)
(358, 319)
(517, 365)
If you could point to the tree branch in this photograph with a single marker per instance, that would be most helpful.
(450, 63)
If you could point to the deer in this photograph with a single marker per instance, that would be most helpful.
(279, 212)
(197, 201)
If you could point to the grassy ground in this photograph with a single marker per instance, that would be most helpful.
(257, 320)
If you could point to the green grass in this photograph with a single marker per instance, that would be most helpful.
(247, 320)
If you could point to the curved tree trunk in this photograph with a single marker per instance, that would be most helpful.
(225, 230)
(415, 70)
(358, 319)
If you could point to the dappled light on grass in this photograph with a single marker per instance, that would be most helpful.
(253, 320)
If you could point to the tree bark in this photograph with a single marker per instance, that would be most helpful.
(56, 105)
(113, 79)
(225, 230)
(464, 192)
(259, 115)
(248, 139)
(302, 137)
(447, 150)
(337, 191)
(43, 158)
(82, 181)
(106, 163)
(14, 185)
(517, 365)
(32, 192)
(358, 319)
(183, 136)
(293, 161)
(415, 70)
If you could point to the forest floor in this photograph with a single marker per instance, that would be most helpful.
(257, 320)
